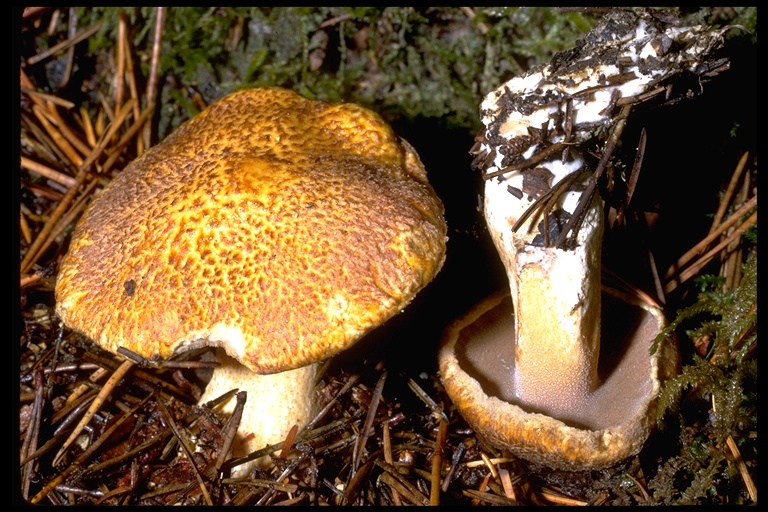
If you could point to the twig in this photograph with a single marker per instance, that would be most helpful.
(529, 162)
(42, 114)
(630, 293)
(701, 262)
(634, 175)
(230, 431)
(587, 195)
(97, 374)
(482, 462)
(114, 126)
(73, 139)
(333, 21)
(506, 484)
(42, 238)
(154, 65)
(84, 34)
(114, 492)
(155, 439)
(120, 60)
(31, 437)
(25, 84)
(742, 467)
(457, 455)
(483, 486)
(72, 410)
(489, 465)
(169, 420)
(347, 386)
(106, 110)
(69, 217)
(39, 97)
(33, 12)
(105, 391)
(493, 499)
(558, 499)
(284, 475)
(437, 463)
(732, 263)
(51, 485)
(726, 200)
(547, 198)
(387, 442)
(370, 417)
(424, 397)
(116, 150)
(130, 76)
(405, 488)
(288, 442)
(470, 13)
(699, 247)
(88, 129)
(47, 172)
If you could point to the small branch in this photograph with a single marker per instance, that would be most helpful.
(95, 405)
(157, 44)
(726, 200)
(436, 409)
(387, 442)
(81, 36)
(711, 237)
(77, 464)
(437, 463)
(42, 114)
(35, 249)
(529, 162)
(190, 456)
(742, 467)
(47, 172)
(370, 417)
(696, 267)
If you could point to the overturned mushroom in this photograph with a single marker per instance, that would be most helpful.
(277, 228)
(529, 369)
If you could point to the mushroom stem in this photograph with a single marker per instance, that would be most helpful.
(557, 307)
(556, 297)
(275, 403)
(596, 410)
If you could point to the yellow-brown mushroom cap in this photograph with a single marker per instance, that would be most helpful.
(280, 228)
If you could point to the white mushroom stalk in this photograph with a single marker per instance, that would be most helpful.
(528, 149)
(283, 401)
(526, 371)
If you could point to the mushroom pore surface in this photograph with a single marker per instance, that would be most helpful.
(608, 425)
(279, 228)
(483, 350)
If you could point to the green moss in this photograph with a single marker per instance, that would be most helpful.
(712, 398)
(686, 480)
(404, 62)
(730, 318)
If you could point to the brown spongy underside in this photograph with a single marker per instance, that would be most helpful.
(477, 360)
(280, 228)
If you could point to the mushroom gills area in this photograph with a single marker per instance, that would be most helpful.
(486, 351)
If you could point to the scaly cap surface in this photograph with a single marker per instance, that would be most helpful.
(279, 228)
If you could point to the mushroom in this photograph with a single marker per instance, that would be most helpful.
(279, 229)
(528, 368)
